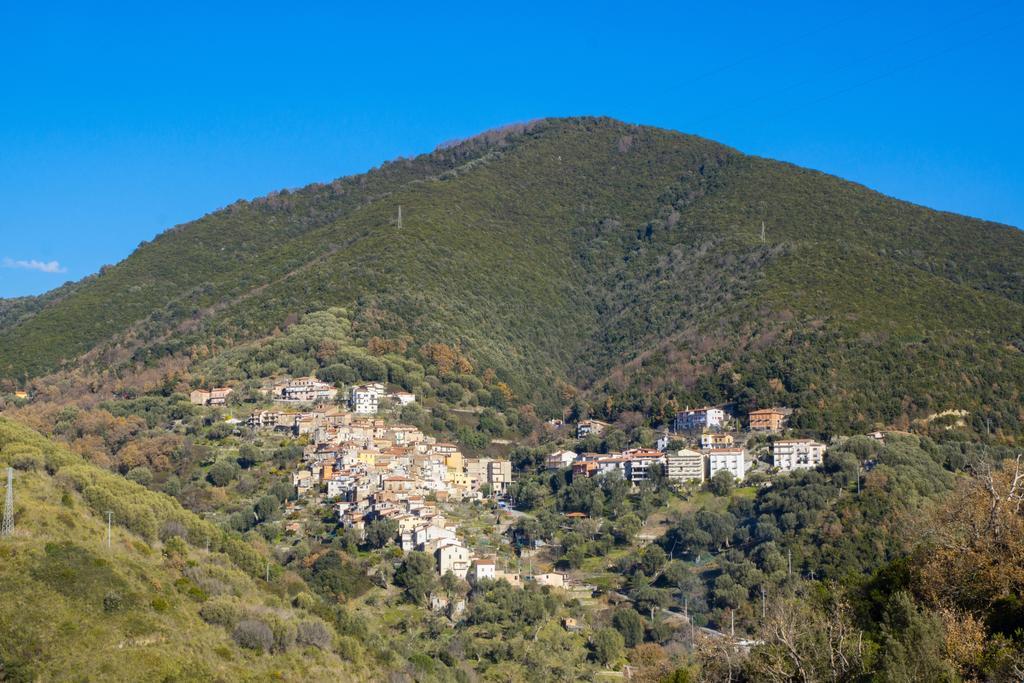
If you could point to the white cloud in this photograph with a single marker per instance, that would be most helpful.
(32, 264)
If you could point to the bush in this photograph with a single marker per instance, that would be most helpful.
(173, 529)
(254, 635)
(113, 602)
(222, 611)
(314, 633)
(140, 475)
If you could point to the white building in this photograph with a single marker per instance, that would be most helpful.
(365, 398)
(698, 419)
(483, 569)
(559, 459)
(453, 558)
(797, 454)
(685, 465)
(733, 460)
(402, 398)
(638, 467)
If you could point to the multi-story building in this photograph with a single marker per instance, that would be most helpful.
(499, 475)
(712, 440)
(797, 454)
(559, 459)
(767, 419)
(685, 465)
(699, 419)
(733, 460)
(587, 427)
(476, 471)
(639, 464)
(307, 390)
(483, 569)
(453, 558)
(217, 396)
(365, 398)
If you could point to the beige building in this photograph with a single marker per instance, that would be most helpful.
(587, 427)
(499, 475)
(685, 465)
(217, 396)
(767, 419)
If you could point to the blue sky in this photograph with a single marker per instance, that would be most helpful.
(118, 121)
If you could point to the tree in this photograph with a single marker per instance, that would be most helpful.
(380, 532)
(416, 575)
(266, 508)
(652, 560)
(722, 483)
(249, 456)
(627, 622)
(221, 473)
(625, 528)
(913, 644)
(607, 644)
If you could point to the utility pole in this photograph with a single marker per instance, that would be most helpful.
(762, 232)
(399, 216)
(268, 571)
(732, 623)
(110, 517)
(789, 561)
(8, 524)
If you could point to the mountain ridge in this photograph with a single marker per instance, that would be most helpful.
(572, 250)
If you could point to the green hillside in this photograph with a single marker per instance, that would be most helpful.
(621, 259)
(164, 602)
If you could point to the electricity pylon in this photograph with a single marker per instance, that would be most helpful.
(8, 525)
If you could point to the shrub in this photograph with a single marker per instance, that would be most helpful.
(314, 633)
(222, 611)
(113, 602)
(284, 633)
(254, 635)
(172, 528)
(141, 475)
(160, 604)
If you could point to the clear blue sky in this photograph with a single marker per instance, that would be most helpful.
(118, 121)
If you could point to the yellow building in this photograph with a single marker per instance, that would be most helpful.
(454, 461)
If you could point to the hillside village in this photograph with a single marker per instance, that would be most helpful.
(373, 471)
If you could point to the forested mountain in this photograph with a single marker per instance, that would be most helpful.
(621, 265)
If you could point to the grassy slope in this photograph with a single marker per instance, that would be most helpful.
(56, 571)
(620, 257)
